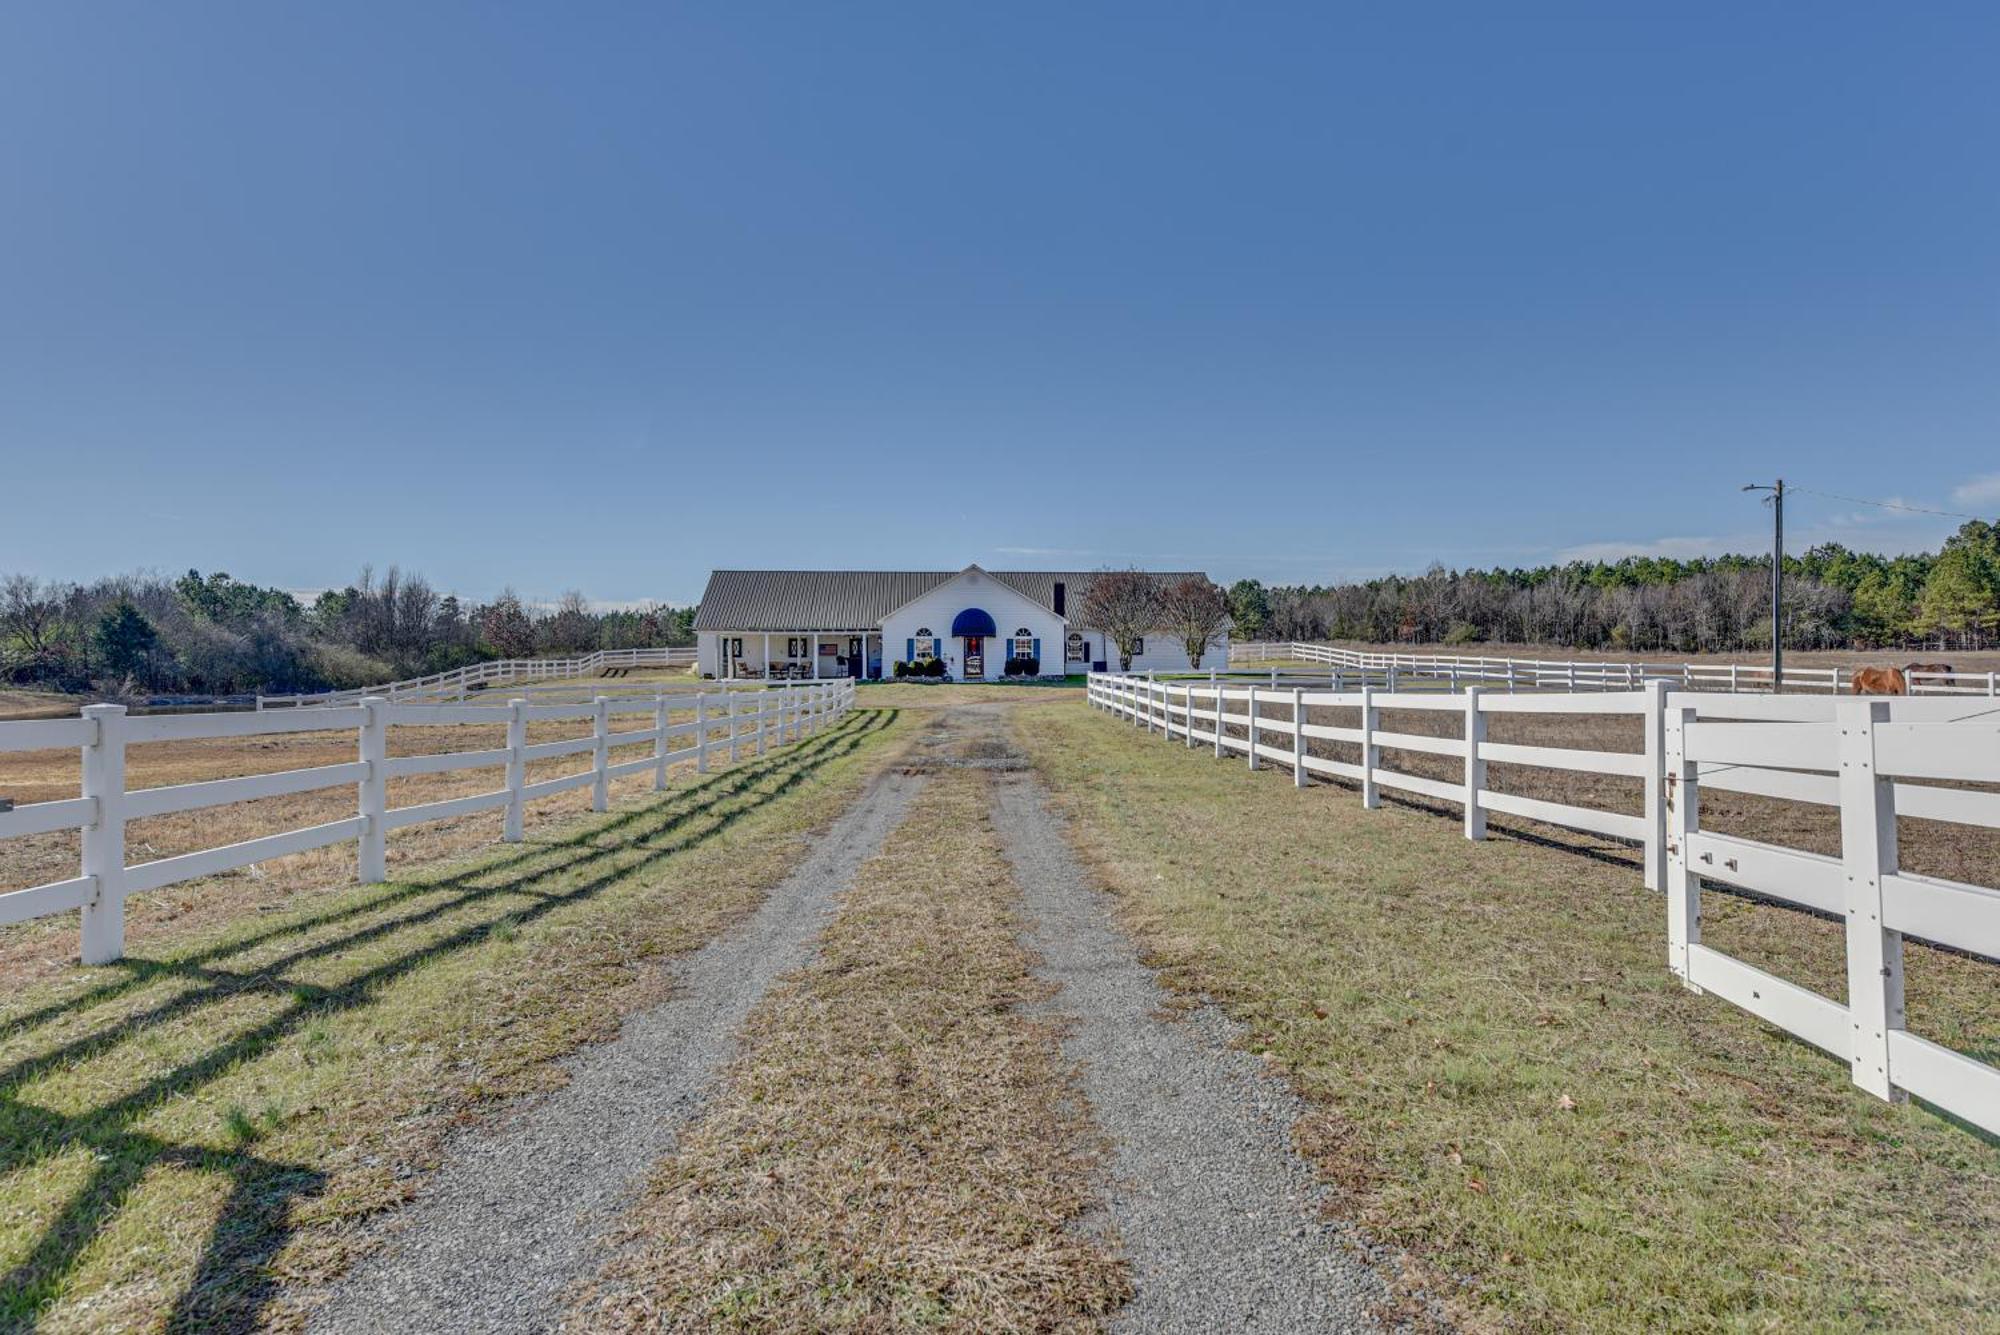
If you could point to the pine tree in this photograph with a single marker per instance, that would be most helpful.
(125, 641)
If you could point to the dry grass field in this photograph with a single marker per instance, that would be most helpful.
(40, 776)
(1511, 1084)
(193, 1137)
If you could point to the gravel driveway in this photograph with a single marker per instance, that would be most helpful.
(518, 1213)
(1222, 1221)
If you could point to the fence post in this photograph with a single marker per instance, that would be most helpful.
(1683, 804)
(1252, 748)
(517, 767)
(372, 858)
(600, 791)
(104, 837)
(1867, 854)
(1656, 785)
(700, 733)
(1298, 737)
(732, 712)
(1371, 754)
(1187, 713)
(1475, 765)
(660, 747)
(1217, 688)
(763, 717)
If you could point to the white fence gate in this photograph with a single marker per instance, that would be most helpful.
(711, 723)
(1872, 758)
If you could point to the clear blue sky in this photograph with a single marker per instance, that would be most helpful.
(604, 296)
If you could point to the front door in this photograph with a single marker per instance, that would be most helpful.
(975, 658)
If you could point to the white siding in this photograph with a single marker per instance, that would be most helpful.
(1164, 653)
(1010, 611)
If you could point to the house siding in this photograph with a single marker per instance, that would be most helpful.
(936, 608)
(1009, 609)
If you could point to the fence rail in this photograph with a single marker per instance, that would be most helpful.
(456, 683)
(1542, 674)
(1872, 758)
(709, 722)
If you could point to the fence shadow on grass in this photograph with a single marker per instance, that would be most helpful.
(232, 1281)
(1597, 848)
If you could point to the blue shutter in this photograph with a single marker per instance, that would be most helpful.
(910, 650)
(1038, 649)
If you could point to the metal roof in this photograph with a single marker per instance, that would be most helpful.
(793, 600)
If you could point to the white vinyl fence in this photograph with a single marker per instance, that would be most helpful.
(1872, 758)
(716, 723)
(455, 684)
(1544, 674)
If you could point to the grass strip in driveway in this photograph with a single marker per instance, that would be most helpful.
(184, 1135)
(898, 1145)
(1512, 1085)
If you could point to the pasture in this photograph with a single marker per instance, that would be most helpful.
(213, 1120)
(1508, 1094)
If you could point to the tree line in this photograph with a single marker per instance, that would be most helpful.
(216, 635)
(1834, 598)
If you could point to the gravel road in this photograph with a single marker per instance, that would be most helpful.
(518, 1212)
(1222, 1221)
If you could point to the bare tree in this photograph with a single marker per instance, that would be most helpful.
(1196, 612)
(1124, 605)
(32, 612)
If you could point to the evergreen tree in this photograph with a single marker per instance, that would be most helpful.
(125, 641)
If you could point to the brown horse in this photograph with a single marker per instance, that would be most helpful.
(1880, 681)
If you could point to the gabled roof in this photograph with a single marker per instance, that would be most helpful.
(793, 600)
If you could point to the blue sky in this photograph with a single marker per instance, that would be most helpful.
(604, 296)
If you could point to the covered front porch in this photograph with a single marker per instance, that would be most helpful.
(799, 655)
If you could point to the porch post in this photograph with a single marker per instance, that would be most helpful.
(812, 648)
(767, 655)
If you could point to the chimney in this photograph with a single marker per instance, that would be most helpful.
(1059, 598)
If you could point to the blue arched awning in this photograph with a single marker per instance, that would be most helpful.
(973, 621)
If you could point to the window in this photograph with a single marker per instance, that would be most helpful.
(1138, 646)
(1074, 648)
(792, 646)
(735, 649)
(1024, 643)
(926, 643)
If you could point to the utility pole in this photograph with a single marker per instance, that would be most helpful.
(1777, 499)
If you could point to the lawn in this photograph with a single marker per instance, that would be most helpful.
(197, 1135)
(1507, 1080)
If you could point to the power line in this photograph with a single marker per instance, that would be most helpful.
(1883, 505)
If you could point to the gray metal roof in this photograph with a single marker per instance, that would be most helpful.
(856, 599)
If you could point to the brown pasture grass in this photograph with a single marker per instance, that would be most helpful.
(36, 704)
(196, 1137)
(35, 948)
(1510, 1083)
(898, 1146)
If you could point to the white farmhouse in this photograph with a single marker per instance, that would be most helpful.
(861, 623)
